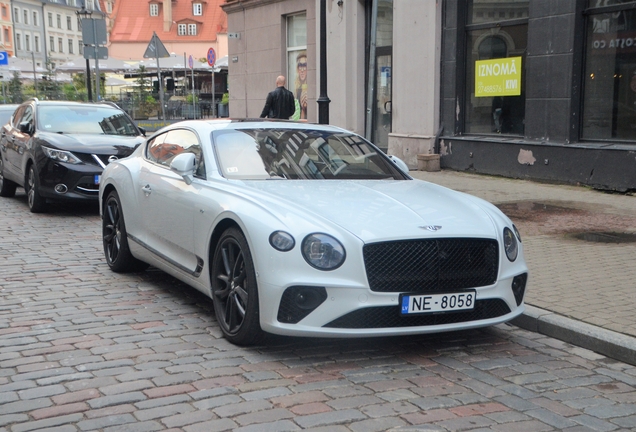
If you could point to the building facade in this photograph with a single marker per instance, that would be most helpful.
(6, 28)
(532, 89)
(28, 30)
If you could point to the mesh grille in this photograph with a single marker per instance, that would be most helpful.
(431, 265)
(389, 316)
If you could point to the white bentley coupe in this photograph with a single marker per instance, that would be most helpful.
(302, 229)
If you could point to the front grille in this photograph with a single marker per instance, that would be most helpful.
(389, 316)
(431, 265)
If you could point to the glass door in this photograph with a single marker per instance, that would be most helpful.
(382, 105)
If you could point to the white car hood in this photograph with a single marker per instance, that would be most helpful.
(382, 210)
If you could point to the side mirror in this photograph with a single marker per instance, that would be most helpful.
(185, 165)
(142, 130)
(26, 127)
(399, 163)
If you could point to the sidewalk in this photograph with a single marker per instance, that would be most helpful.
(582, 287)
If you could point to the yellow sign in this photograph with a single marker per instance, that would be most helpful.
(498, 77)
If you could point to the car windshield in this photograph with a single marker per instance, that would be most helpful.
(85, 119)
(300, 154)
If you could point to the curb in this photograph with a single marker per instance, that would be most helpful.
(607, 342)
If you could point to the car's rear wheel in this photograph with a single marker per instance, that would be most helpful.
(37, 204)
(234, 289)
(7, 187)
(115, 238)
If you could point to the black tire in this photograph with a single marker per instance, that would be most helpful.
(234, 289)
(7, 187)
(37, 204)
(115, 239)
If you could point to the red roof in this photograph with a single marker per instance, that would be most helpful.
(133, 22)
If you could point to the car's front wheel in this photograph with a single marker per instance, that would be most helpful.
(115, 238)
(37, 204)
(7, 187)
(234, 290)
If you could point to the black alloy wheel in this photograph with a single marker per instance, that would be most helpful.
(115, 239)
(7, 187)
(36, 203)
(234, 290)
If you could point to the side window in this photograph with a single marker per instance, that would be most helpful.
(15, 121)
(27, 116)
(164, 148)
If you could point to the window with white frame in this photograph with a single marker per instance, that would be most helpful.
(35, 18)
(297, 59)
(192, 29)
(18, 41)
(52, 43)
(70, 46)
(69, 24)
(60, 44)
(197, 9)
(16, 15)
(59, 21)
(27, 43)
(36, 43)
(182, 29)
(50, 19)
(26, 16)
(81, 47)
(154, 9)
(109, 7)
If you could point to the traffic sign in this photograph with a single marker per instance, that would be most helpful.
(4, 58)
(211, 57)
(156, 48)
(190, 62)
(94, 31)
(90, 52)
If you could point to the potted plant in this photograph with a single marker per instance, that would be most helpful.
(224, 106)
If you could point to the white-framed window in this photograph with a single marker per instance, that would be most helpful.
(36, 19)
(197, 9)
(192, 29)
(154, 9)
(52, 43)
(36, 43)
(182, 29)
(27, 43)
(18, 41)
(50, 19)
(60, 44)
(81, 47)
(26, 16)
(59, 21)
(297, 59)
(70, 46)
(16, 15)
(69, 23)
(109, 7)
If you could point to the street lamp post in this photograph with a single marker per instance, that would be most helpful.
(85, 14)
(323, 100)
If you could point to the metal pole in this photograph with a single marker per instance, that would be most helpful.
(323, 100)
(35, 77)
(213, 94)
(97, 78)
(194, 107)
(163, 108)
(371, 88)
(89, 90)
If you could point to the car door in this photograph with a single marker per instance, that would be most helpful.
(21, 140)
(167, 203)
(10, 148)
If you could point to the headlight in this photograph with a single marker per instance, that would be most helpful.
(517, 233)
(282, 241)
(61, 155)
(323, 251)
(510, 244)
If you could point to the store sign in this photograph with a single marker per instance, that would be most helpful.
(498, 77)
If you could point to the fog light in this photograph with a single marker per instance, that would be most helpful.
(298, 302)
(61, 188)
(519, 287)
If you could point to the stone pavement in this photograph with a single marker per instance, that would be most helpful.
(580, 290)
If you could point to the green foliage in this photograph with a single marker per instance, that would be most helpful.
(16, 94)
(190, 98)
(225, 99)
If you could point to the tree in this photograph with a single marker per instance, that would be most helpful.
(16, 95)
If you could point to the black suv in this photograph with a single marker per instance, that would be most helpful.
(57, 150)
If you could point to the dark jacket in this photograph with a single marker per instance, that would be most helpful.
(279, 104)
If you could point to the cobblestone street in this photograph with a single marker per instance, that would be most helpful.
(85, 349)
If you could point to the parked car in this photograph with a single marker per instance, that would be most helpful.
(300, 229)
(6, 111)
(57, 150)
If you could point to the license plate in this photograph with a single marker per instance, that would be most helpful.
(431, 303)
(97, 179)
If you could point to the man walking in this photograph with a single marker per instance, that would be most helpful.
(280, 102)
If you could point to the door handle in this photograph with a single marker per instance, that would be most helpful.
(147, 190)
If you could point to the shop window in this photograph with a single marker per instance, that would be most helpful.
(297, 60)
(609, 89)
(495, 99)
